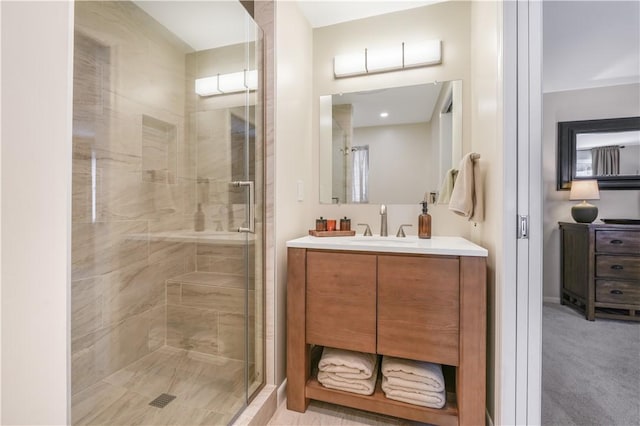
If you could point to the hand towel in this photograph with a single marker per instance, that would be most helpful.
(447, 186)
(359, 386)
(425, 398)
(467, 195)
(427, 373)
(348, 364)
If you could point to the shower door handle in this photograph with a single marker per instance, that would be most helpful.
(252, 212)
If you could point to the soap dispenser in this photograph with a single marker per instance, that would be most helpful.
(424, 221)
(198, 219)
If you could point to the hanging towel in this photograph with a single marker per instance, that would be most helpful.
(447, 186)
(359, 386)
(348, 364)
(425, 376)
(425, 398)
(467, 198)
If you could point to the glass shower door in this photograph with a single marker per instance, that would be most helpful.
(167, 295)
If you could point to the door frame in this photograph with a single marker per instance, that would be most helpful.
(520, 351)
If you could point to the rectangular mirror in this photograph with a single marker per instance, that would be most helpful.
(389, 145)
(607, 150)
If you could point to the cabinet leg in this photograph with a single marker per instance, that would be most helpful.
(298, 359)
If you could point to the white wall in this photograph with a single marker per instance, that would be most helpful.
(36, 210)
(586, 104)
(405, 150)
(487, 140)
(449, 22)
(293, 149)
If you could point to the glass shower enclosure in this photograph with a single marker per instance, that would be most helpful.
(167, 296)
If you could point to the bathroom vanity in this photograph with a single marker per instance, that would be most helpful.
(404, 297)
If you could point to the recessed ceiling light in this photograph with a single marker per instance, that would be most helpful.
(384, 114)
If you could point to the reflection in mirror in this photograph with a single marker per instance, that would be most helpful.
(608, 154)
(390, 145)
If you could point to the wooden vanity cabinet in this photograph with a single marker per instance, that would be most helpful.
(419, 308)
(341, 300)
(422, 307)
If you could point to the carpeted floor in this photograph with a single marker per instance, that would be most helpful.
(590, 370)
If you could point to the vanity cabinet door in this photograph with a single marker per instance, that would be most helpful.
(418, 308)
(341, 300)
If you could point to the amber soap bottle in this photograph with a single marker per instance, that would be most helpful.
(424, 222)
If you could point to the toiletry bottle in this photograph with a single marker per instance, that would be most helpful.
(321, 224)
(424, 222)
(345, 224)
(198, 219)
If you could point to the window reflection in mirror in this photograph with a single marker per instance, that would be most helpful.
(389, 145)
(608, 154)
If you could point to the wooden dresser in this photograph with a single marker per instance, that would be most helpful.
(600, 269)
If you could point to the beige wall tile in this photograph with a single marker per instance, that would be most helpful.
(174, 291)
(100, 248)
(86, 306)
(192, 328)
(105, 351)
(219, 299)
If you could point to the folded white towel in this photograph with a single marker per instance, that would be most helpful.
(447, 186)
(427, 373)
(467, 197)
(359, 386)
(348, 364)
(424, 398)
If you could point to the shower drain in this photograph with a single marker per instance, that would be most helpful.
(162, 400)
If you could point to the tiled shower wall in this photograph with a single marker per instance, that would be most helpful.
(131, 177)
(146, 151)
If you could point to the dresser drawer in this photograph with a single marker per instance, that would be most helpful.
(623, 292)
(618, 242)
(621, 267)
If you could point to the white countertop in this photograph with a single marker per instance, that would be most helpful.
(450, 246)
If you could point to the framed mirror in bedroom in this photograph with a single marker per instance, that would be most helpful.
(607, 150)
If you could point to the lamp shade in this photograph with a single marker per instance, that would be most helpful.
(584, 190)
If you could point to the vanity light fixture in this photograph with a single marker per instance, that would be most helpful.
(227, 83)
(406, 55)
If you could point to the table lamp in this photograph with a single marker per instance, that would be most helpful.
(584, 190)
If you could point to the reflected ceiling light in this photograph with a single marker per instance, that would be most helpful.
(405, 55)
(227, 83)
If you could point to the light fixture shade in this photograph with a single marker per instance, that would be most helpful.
(234, 82)
(379, 60)
(227, 83)
(207, 86)
(252, 79)
(419, 54)
(351, 64)
(584, 190)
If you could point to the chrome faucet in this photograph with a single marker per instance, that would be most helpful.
(383, 221)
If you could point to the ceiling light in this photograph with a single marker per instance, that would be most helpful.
(384, 114)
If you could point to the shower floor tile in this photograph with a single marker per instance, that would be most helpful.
(209, 391)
